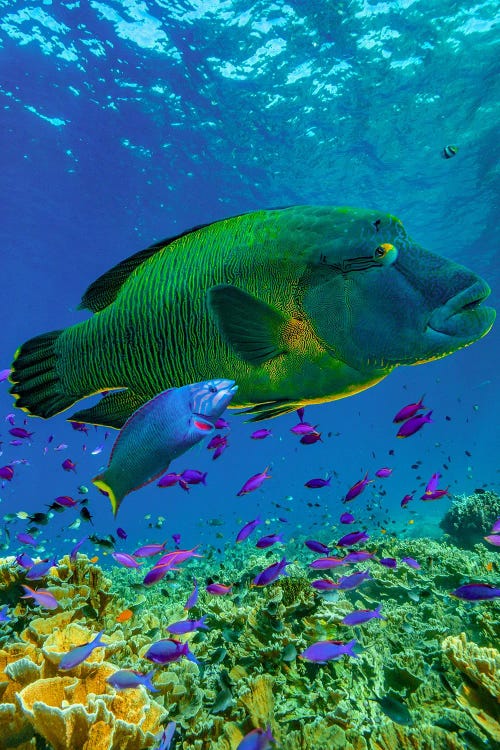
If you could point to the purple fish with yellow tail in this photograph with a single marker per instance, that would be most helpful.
(160, 431)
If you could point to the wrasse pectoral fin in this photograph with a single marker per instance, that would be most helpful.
(252, 327)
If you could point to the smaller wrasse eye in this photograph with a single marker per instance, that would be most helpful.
(386, 253)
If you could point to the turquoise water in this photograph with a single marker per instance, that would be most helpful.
(127, 122)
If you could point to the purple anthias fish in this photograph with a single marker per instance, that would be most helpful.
(166, 737)
(357, 488)
(77, 655)
(129, 678)
(317, 483)
(406, 500)
(156, 574)
(261, 434)
(176, 538)
(346, 583)
(271, 573)
(247, 529)
(388, 562)
(74, 552)
(324, 651)
(475, 592)
(26, 539)
(315, 546)
(435, 495)
(25, 561)
(66, 501)
(254, 482)
(354, 537)
(222, 424)
(193, 476)
(496, 526)
(326, 563)
(413, 425)
(411, 562)
(493, 539)
(68, 465)
(311, 438)
(123, 558)
(20, 432)
(384, 472)
(193, 596)
(121, 533)
(323, 584)
(168, 480)
(178, 556)
(4, 374)
(303, 428)
(168, 650)
(4, 616)
(347, 518)
(218, 589)
(149, 550)
(40, 569)
(257, 739)
(268, 540)
(433, 482)
(360, 616)
(42, 597)
(359, 555)
(409, 411)
(187, 626)
(6, 472)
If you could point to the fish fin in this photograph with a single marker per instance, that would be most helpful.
(36, 387)
(104, 487)
(268, 410)
(202, 426)
(253, 328)
(113, 410)
(105, 289)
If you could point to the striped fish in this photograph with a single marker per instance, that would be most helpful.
(298, 305)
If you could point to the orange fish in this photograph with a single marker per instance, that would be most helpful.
(94, 559)
(124, 616)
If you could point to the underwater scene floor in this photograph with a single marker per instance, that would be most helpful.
(406, 656)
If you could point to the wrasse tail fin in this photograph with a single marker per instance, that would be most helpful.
(105, 488)
(268, 410)
(36, 387)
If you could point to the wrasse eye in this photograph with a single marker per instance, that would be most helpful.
(386, 253)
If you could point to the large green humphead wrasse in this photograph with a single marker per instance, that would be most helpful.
(298, 305)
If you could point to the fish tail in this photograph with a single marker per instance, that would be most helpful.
(102, 485)
(37, 387)
(350, 648)
(147, 681)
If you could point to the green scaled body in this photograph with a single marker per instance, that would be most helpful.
(297, 305)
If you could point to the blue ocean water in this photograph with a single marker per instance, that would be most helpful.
(128, 121)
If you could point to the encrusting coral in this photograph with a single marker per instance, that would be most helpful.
(470, 517)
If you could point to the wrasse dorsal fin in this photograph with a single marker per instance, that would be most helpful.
(251, 327)
(104, 290)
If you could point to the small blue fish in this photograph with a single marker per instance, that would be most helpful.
(4, 617)
(187, 626)
(360, 616)
(324, 651)
(247, 529)
(168, 650)
(257, 739)
(165, 739)
(77, 655)
(129, 678)
(158, 432)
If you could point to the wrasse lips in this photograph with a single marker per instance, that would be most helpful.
(463, 315)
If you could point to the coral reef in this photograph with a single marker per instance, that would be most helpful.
(470, 517)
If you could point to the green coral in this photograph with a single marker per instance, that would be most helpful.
(470, 517)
